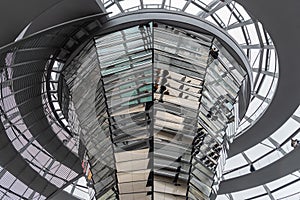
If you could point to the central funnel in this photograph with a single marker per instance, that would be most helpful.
(156, 106)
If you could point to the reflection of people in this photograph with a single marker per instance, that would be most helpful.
(175, 181)
(154, 87)
(209, 113)
(213, 52)
(295, 143)
(148, 106)
(163, 91)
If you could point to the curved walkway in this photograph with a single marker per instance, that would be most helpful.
(42, 130)
(285, 35)
(284, 166)
(16, 165)
(41, 14)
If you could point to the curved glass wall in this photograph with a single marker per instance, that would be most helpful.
(157, 106)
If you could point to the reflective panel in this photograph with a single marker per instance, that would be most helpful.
(157, 112)
(247, 31)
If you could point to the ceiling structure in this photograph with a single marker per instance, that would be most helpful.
(261, 130)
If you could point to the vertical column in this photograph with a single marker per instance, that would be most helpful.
(84, 81)
(216, 114)
(126, 69)
(179, 67)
